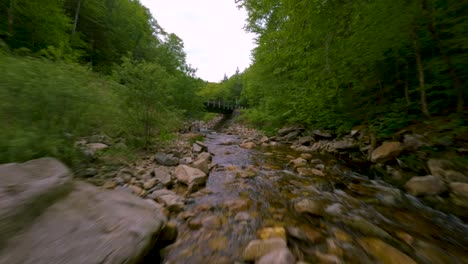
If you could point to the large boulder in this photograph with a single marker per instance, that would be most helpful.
(387, 151)
(90, 225)
(27, 189)
(192, 177)
(425, 185)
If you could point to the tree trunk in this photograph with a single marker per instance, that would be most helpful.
(456, 80)
(77, 15)
(420, 70)
(407, 97)
(11, 17)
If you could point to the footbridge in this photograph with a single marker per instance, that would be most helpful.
(222, 107)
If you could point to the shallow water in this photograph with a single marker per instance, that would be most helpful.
(230, 211)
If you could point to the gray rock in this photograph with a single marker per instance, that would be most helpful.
(170, 199)
(88, 226)
(162, 174)
(305, 140)
(344, 144)
(27, 189)
(280, 256)
(92, 148)
(298, 163)
(425, 185)
(292, 135)
(166, 159)
(322, 133)
(286, 130)
(198, 147)
(414, 141)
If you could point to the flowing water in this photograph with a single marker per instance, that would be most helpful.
(251, 189)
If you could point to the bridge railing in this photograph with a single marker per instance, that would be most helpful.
(220, 104)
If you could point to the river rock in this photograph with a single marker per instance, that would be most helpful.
(199, 147)
(259, 248)
(192, 177)
(384, 252)
(443, 168)
(203, 162)
(367, 228)
(460, 189)
(298, 163)
(414, 141)
(27, 189)
(319, 133)
(270, 232)
(110, 184)
(425, 185)
(166, 159)
(313, 207)
(344, 144)
(150, 183)
(163, 175)
(305, 233)
(286, 130)
(169, 233)
(237, 205)
(291, 136)
(212, 222)
(92, 148)
(280, 256)
(248, 145)
(387, 151)
(89, 225)
(170, 199)
(310, 172)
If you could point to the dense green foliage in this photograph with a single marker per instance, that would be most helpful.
(336, 63)
(74, 68)
(46, 106)
(228, 90)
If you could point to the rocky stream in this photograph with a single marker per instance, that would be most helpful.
(232, 195)
(264, 202)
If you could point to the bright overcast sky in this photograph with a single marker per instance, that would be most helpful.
(212, 31)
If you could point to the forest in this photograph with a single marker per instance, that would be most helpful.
(337, 64)
(74, 68)
(71, 68)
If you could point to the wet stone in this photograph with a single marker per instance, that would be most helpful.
(258, 248)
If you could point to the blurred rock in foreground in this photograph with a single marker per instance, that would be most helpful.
(47, 218)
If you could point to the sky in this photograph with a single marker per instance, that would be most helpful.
(212, 31)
